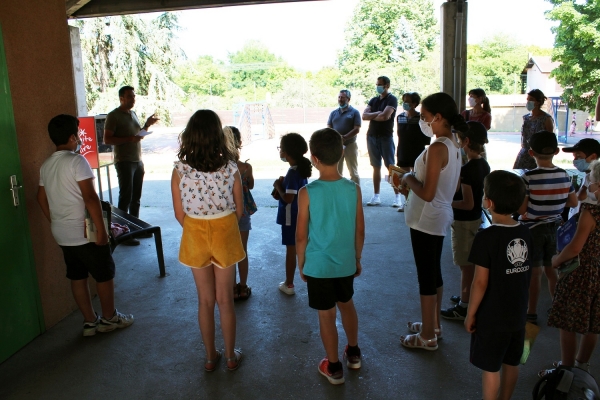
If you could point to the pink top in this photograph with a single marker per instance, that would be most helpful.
(485, 118)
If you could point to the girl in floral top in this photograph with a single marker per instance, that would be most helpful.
(241, 291)
(207, 200)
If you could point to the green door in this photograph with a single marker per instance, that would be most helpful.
(21, 317)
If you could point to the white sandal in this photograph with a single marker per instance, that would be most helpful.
(417, 342)
(415, 327)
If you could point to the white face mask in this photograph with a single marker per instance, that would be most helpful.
(426, 127)
(283, 159)
(530, 105)
(472, 102)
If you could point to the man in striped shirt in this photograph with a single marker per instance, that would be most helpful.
(549, 191)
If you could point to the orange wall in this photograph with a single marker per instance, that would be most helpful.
(38, 53)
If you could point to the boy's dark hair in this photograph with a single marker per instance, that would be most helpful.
(295, 146)
(477, 135)
(506, 190)
(413, 96)
(202, 144)
(326, 145)
(385, 79)
(124, 89)
(62, 127)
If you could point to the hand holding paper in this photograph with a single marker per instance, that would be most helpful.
(143, 133)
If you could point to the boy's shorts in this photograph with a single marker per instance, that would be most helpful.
(89, 258)
(543, 237)
(323, 293)
(463, 234)
(245, 223)
(489, 350)
(207, 241)
(288, 235)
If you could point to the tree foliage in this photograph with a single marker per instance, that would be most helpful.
(388, 35)
(577, 48)
(495, 64)
(254, 64)
(129, 50)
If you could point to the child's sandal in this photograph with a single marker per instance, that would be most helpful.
(415, 327)
(236, 292)
(417, 342)
(237, 359)
(211, 365)
(244, 292)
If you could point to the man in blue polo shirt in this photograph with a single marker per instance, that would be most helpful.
(346, 120)
(381, 113)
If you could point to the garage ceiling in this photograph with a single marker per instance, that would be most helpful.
(102, 8)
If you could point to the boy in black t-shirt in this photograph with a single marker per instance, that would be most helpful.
(497, 311)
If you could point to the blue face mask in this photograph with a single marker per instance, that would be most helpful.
(344, 105)
(380, 89)
(581, 164)
(405, 106)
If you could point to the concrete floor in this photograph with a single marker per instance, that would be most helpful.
(161, 355)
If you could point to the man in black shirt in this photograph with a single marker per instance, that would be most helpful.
(381, 113)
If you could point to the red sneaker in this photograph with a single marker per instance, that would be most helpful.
(337, 378)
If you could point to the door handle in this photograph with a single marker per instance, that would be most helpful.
(14, 188)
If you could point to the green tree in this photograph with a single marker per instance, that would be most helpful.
(129, 50)
(204, 76)
(495, 64)
(577, 48)
(254, 66)
(384, 35)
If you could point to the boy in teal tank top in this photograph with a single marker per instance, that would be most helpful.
(330, 233)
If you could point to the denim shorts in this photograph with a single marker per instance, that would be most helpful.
(381, 147)
(245, 223)
(543, 237)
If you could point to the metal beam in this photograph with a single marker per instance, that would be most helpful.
(74, 5)
(102, 8)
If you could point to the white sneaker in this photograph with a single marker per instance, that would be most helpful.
(401, 208)
(375, 201)
(117, 321)
(287, 289)
(396, 203)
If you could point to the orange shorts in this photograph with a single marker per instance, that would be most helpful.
(209, 241)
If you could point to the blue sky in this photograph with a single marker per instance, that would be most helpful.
(308, 35)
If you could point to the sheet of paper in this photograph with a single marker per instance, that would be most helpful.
(143, 133)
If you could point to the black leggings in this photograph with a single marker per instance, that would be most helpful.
(427, 250)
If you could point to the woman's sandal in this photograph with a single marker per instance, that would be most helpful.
(211, 365)
(415, 327)
(417, 342)
(237, 359)
(244, 292)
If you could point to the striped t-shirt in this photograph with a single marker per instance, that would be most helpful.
(548, 190)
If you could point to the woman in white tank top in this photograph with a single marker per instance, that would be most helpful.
(428, 211)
